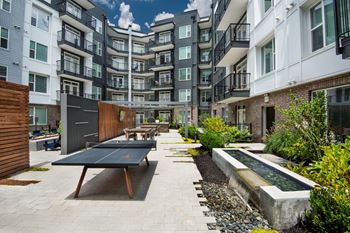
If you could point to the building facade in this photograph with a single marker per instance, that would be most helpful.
(267, 49)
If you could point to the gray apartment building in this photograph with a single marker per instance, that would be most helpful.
(11, 39)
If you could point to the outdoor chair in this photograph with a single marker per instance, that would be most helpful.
(129, 135)
(150, 135)
(53, 144)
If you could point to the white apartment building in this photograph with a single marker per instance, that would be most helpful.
(268, 49)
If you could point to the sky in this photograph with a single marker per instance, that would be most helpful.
(142, 13)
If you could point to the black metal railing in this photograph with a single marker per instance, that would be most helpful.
(205, 58)
(118, 47)
(159, 41)
(77, 93)
(140, 68)
(220, 11)
(77, 14)
(163, 84)
(205, 37)
(65, 36)
(342, 24)
(161, 61)
(116, 84)
(73, 68)
(120, 66)
(236, 35)
(230, 84)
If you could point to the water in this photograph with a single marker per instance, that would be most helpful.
(273, 176)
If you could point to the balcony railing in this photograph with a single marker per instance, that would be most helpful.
(120, 66)
(220, 11)
(137, 68)
(77, 93)
(161, 61)
(236, 35)
(163, 84)
(142, 86)
(115, 84)
(342, 28)
(65, 36)
(118, 47)
(205, 58)
(83, 17)
(231, 84)
(161, 41)
(204, 38)
(73, 69)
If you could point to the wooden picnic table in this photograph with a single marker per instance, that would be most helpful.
(139, 130)
(132, 133)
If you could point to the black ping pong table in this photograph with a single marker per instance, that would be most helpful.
(114, 154)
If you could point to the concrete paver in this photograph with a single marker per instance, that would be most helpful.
(165, 197)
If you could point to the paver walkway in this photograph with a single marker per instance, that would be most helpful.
(165, 197)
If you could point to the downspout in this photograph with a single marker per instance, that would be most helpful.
(130, 65)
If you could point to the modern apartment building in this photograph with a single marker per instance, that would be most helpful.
(11, 31)
(265, 49)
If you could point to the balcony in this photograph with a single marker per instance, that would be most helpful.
(117, 49)
(143, 87)
(71, 42)
(204, 41)
(141, 69)
(233, 45)
(205, 85)
(142, 52)
(69, 69)
(162, 43)
(113, 83)
(342, 28)
(229, 11)
(76, 17)
(76, 93)
(117, 67)
(161, 63)
(163, 85)
(232, 88)
(205, 61)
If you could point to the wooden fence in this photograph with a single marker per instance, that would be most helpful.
(113, 119)
(14, 142)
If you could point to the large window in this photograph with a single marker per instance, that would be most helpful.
(96, 70)
(205, 76)
(4, 38)
(185, 74)
(37, 115)
(38, 51)
(185, 95)
(96, 93)
(205, 55)
(97, 47)
(119, 45)
(185, 31)
(3, 72)
(40, 19)
(205, 96)
(165, 77)
(185, 52)
(322, 24)
(139, 98)
(5, 5)
(267, 5)
(164, 96)
(98, 25)
(205, 35)
(164, 37)
(268, 57)
(73, 9)
(138, 47)
(37, 83)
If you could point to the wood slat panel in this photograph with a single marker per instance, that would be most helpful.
(14, 143)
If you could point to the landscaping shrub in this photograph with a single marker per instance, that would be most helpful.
(211, 139)
(278, 141)
(215, 124)
(193, 132)
(245, 136)
(203, 117)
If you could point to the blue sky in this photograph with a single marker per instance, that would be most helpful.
(142, 12)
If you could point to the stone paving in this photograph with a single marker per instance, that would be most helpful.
(165, 197)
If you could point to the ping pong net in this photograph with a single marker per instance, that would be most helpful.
(123, 144)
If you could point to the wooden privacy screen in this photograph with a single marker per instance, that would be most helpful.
(14, 142)
(110, 124)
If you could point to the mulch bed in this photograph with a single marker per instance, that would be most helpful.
(17, 182)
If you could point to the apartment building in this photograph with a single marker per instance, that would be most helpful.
(266, 49)
(62, 52)
(11, 31)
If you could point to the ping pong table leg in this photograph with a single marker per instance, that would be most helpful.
(80, 182)
(147, 161)
(128, 183)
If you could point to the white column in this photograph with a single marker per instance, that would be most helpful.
(130, 64)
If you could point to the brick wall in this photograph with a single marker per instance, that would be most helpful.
(53, 115)
(281, 98)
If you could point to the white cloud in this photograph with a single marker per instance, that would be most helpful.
(126, 18)
(147, 25)
(163, 15)
(111, 4)
(203, 7)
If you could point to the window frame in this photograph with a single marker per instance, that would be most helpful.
(188, 95)
(263, 71)
(35, 51)
(98, 94)
(266, 11)
(2, 5)
(37, 18)
(8, 37)
(188, 50)
(34, 114)
(6, 68)
(34, 82)
(97, 72)
(188, 75)
(98, 25)
(97, 47)
(188, 31)
(164, 93)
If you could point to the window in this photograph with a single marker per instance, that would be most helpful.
(73, 9)
(98, 25)
(205, 76)
(268, 57)
(164, 37)
(37, 115)
(118, 97)
(185, 95)
(322, 24)
(267, 5)
(140, 116)
(38, 51)
(184, 74)
(97, 47)
(185, 52)
(96, 70)
(138, 65)
(163, 58)
(40, 19)
(71, 87)
(165, 115)
(71, 63)
(4, 38)
(205, 96)
(164, 96)
(138, 48)
(118, 81)
(139, 84)
(96, 93)
(205, 55)
(37, 83)
(119, 45)
(139, 98)
(3, 73)
(5, 5)
(164, 77)
(72, 35)
(185, 31)
(205, 35)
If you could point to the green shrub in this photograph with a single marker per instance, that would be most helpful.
(210, 140)
(327, 213)
(278, 141)
(193, 132)
(245, 136)
(215, 124)
(203, 117)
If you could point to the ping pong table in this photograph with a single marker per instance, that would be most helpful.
(114, 154)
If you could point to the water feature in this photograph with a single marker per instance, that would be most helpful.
(273, 176)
